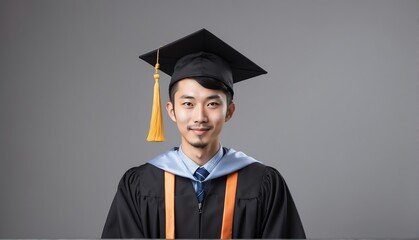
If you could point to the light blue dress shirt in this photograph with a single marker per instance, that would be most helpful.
(191, 166)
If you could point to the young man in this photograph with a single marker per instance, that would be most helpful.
(202, 189)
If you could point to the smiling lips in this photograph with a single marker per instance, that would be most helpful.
(199, 130)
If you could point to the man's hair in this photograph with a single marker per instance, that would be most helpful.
(206, 82)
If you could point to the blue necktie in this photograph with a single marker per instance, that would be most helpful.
(200, 175)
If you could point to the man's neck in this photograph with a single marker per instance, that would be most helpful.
(200, 155)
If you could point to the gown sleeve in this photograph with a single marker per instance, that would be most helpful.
(280, 217)
(123, 219)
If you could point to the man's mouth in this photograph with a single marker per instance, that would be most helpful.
(199, 130)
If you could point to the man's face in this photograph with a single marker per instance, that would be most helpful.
(199, 113)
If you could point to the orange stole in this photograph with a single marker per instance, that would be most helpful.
(169, 202)
(229, 200)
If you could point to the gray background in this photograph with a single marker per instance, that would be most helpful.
(337, 114)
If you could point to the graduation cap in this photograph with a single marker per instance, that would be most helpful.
(200, 54)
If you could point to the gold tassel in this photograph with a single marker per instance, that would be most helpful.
(156, 132)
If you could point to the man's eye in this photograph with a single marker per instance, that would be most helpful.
(187, 104)
(213, 104)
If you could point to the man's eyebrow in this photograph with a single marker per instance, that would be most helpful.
(214, 97)
(186, 97)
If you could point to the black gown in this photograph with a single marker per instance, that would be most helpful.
(264, 206)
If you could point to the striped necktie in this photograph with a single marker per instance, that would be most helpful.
(200, 175)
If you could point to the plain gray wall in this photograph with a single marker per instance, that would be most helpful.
(337, 114)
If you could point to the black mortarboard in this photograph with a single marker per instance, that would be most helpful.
(200, 54)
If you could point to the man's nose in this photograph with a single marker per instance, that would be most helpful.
(200, 115)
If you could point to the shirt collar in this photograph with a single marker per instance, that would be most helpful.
(209, 166)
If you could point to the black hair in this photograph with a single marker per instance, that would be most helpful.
(206, 82)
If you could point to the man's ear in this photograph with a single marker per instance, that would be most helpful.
(171, 111)
(230, 111)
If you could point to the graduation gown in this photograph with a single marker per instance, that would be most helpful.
(264, 207)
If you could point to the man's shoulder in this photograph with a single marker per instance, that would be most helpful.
(256, 176)
(261, 168)
(258, 170)
(144, 170)
(146, 180)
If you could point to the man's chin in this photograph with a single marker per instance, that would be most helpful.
(199, 145)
